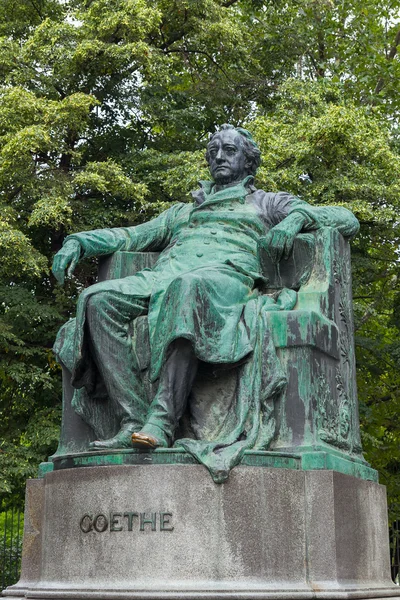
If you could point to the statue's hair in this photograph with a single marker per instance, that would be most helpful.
(249, 146)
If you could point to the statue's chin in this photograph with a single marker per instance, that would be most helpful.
(226, 180)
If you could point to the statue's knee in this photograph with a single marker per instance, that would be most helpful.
(87, 295)
(97, 304)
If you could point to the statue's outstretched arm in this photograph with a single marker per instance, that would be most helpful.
(279, 240)
(338, 217)
(153, 235)
(288, 215)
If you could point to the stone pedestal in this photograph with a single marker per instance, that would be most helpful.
(167, 532)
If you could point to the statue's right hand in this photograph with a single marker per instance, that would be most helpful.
(68, 255)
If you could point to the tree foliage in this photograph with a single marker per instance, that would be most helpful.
(105, 108)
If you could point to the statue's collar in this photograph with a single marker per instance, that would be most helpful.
(208, 191)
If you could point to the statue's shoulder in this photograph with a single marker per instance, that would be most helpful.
(171, 213)
(268, 203)
(257, 196)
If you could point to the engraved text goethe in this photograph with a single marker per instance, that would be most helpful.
(126, 521)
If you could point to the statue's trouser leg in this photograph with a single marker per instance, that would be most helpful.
(176, 380)
(108, 315)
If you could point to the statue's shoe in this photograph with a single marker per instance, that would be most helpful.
(119, 442)
(145, 440)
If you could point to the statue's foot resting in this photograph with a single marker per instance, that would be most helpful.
(120, 441)
(146, 440)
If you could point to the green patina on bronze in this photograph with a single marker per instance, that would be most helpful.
(210, 333)
(310, 460)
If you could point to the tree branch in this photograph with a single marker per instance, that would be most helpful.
(37, 10)
(60, 91)
(14, 193)
(178, 35)
(210, 58)
(313, 63)
(392, 53)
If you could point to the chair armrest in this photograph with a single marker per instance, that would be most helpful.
(124, 264)
(293, 272)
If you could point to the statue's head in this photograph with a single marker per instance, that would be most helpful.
(232, 154)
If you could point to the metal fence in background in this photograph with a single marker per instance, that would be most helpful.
(11, 528)
(394, 535)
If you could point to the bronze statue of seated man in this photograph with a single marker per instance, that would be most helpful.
(203, 301)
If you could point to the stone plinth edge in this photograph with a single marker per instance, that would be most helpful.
(168, 532)
(315, 458)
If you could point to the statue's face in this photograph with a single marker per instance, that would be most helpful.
(227, 160)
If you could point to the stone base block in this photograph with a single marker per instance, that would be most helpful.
(164, 532)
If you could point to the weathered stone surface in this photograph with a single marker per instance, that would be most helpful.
(347, 534)
(33, 532)
(266, 533)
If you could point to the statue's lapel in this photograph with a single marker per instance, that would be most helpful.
(206, 197)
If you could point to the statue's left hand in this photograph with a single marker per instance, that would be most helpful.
(279, 241)
(68, 255)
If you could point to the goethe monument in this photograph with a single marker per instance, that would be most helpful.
(210, 443)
